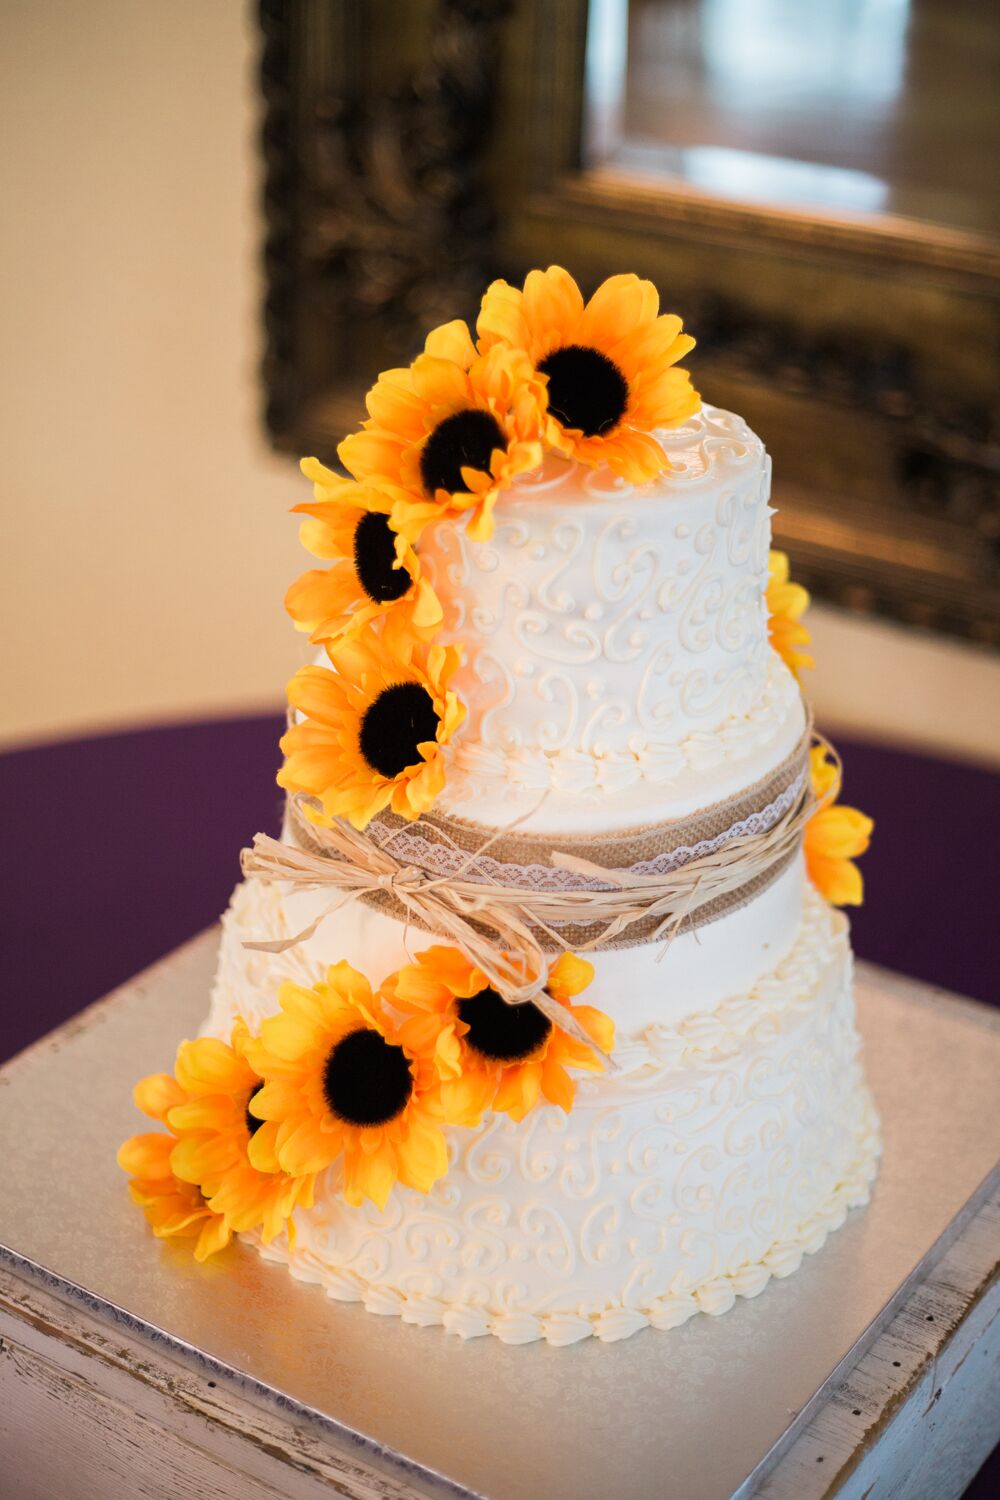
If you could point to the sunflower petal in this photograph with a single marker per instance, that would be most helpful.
(422, 1158)
(569, 975)
(452, 341)
(157, 1094)
(370, 1175)
(557, 1086)
(147, 1156)
(209, 1066)
(837, 880)
(215, 1236)
(208, 1112)
(620, 305)
(839, 832)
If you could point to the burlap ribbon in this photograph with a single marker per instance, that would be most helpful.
(506, 929)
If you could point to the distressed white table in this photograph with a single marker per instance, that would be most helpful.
(127, 1370)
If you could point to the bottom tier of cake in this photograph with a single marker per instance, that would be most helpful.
(720, 1151)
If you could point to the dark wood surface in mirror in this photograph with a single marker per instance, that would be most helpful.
(889, 107)
(412, 153)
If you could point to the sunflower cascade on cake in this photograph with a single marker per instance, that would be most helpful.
(537, 1020)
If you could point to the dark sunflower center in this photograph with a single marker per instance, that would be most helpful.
(400, 719)
(586, 389)
(374, 555)
(465, 440)
(502, 1032)
(253, 1124)
(367, 1080)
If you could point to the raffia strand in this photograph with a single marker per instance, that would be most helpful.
(497, 926)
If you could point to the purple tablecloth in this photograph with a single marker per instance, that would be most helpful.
(120, 847)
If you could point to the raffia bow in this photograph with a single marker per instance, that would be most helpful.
(498, 927)
(513, 963)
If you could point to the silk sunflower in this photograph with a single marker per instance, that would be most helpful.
(376, 574)
(172, 1206)
(609, 363)
(787, 602)
(374, 729)
(340, 1084)
(202, 1167)
(216, 1129)
(489, 1054)
(451, 432)
(834, 837)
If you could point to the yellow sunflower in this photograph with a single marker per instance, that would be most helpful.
(199, 1179)
(489, 1054)
(609, 364)
(451, 432)
(376, 573)
(373, 730)
(834, 837)
(215, 1129)
(787, 602)
(341, 1084)
(172, 1206)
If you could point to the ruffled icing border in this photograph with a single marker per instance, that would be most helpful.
(779, 1000)
(477, 768)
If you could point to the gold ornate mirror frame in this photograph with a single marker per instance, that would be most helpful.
(415, 151)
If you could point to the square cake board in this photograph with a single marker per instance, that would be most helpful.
(705, 1410)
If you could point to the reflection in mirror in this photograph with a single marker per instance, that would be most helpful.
(855, 107)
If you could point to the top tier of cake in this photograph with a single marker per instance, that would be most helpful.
(615, 638)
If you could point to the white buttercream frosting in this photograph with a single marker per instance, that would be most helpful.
(617, 672)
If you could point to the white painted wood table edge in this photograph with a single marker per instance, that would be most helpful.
(876, 1428)
(259, 1443)
(162, 1428)
(919, 1413)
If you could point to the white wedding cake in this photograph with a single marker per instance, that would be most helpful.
(537, 1021)
(618, 673)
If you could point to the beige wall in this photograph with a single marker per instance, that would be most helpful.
(146, 544)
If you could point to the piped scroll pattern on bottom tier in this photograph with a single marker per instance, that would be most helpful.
(714, 1295)
(725, 1150)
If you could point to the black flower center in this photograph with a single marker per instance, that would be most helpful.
(253, 1124)
(374, 555)
(465, 440)
(367, 1080)
(502, 1032)
(400, 719)
(587, 390)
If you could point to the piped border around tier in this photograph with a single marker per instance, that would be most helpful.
(777, 1002)
(477, 770)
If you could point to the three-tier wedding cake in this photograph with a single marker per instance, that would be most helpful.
(537, 1020)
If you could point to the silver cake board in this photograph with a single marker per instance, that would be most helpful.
(705, 1410)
